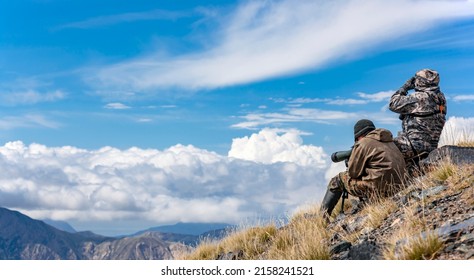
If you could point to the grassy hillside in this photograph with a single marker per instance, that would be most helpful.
(432, 218)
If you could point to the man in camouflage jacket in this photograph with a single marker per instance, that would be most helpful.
(423, 114)
(376, 168)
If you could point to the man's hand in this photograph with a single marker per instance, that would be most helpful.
(409, 84)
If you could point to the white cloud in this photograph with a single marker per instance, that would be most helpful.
(264, 39)
(312, 115)
(168, 106)
(183, 183)
(29, 120)
(272, 145)
(365, 99)
(349, 101)
(116, 106)
(377, 97)
(334, 169)
(456, 130)
(144, 120)
(30, 96)
(466, 97)
(121, 18)
(302, 100)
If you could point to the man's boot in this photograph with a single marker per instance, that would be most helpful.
(329, 202)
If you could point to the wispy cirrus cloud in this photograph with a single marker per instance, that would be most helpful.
(463, 97)
(108, 20)
(30, 96)
(297, 110)
(364, 98)
(376, 97)
(265, 39)
(292, 115)
(27, 121)
(116, 106)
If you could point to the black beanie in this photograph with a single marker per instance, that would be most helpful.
(362, 127)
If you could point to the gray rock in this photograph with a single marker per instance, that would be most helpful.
(428, 192)
(340, 247)
(454, 154)
(366, 250)
(468, 238)
(451, 229)
(231, 255)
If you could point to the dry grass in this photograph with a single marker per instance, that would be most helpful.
(378, 212)
(466, 144)
(373, 215)
(251, 242)
(455, 177)
(205, 251)
(420, 246)
(412, 240)
(306, 236)
(443, 171)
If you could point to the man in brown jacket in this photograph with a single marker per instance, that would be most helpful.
(376, 167)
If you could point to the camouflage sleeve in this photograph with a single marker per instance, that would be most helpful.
(402, 103)
(357, 162)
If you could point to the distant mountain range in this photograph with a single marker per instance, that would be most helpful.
(190, 228)
(60, 225)
(22, 237)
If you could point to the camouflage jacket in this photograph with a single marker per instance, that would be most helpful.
(423, 115)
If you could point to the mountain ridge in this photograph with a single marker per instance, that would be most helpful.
(24, 238)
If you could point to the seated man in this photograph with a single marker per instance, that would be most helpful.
(423, 115)
(376, 168)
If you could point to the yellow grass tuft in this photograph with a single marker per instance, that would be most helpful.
(443, 172)
(412, 240)
(421, 246)
(304, 238)
(466, 143)
(251, 242)
(379, 211)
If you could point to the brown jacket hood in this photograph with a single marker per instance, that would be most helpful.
(381, 135)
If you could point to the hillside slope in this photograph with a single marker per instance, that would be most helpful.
(432, 218)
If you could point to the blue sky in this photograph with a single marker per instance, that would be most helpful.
(94, 94)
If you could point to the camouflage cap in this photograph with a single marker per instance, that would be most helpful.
(426, 78)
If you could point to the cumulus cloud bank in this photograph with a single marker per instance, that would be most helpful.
(267, 174)
(181, 183)
(272, 145)
(265, 39)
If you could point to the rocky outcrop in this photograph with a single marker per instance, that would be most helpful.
(453, 154)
